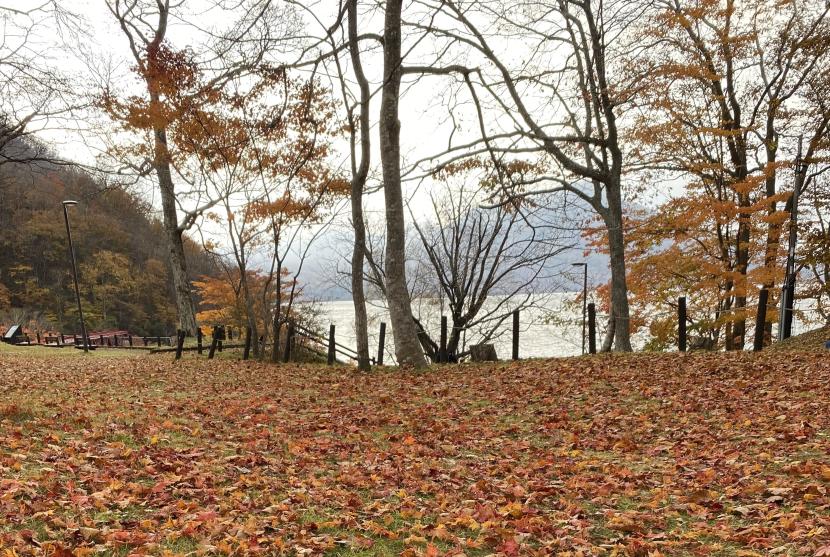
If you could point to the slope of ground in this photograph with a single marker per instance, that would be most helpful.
(811, 340)
(697, 454)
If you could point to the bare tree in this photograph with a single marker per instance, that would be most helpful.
(358, 123)
(236, 184)
(814, 250)
(360, 172)
(407, 347)
(485, 263)
(569, 58)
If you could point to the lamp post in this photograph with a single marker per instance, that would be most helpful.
(584, 298)
(67, 204)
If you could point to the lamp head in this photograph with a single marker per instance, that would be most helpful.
(579, 264)
(69, 202)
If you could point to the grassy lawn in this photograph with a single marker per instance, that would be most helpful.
(49, 352)
(125, 453)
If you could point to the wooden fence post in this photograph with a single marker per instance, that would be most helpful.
(681, 323)
(247, 352)
(381, 341)
(515, 334)
(179, 344)
(199, 340)
(330, 359)
(213, 342)
(592, 328)
(442, 351)
(130, 340)
(761, 320)
(289, 338)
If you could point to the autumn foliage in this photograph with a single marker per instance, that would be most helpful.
(223, 301)
(699, 454)
(730, 89)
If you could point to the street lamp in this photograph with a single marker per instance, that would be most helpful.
(584, 299)
(66, 204)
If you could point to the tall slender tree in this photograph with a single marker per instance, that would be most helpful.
(178, 95)
(152, 58)
(407, 348)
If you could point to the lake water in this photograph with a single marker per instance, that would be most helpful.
(539, 337)
(551, 327)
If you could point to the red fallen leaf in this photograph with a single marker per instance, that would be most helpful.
(484, 513)
(822, 551)
(120, 536)
(28, 535)
(190, 528)
(432, 551)
(206, 516)
(624, 523)
(509, 548)
(364, 542)
(59, 550)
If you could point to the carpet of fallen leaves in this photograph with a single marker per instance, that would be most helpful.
(697, 454)
(810, 340)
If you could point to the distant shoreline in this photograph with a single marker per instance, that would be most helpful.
(380, 300)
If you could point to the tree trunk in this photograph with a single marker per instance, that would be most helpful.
(361, 319)
(360, 172)
(250, 312)
(407, 347)
(185, 308)
(275, 333)
(277, 322)
(619, 288)
(773, 240)
(741, 266)
(608, 341)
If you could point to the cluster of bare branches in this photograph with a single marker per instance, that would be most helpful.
(34, 94)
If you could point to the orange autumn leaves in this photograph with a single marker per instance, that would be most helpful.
(223, 301)
(730, 88)
(697, 454)
(260, 120)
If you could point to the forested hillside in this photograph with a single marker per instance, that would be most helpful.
(119, 244)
